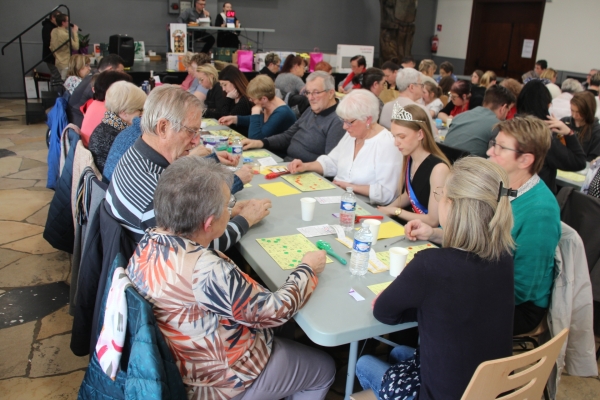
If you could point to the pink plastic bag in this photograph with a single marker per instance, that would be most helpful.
(245, 60)
(315, 58)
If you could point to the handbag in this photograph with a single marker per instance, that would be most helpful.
(315, 57)
(245, 60)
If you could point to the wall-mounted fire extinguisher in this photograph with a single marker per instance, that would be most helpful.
(434, 44)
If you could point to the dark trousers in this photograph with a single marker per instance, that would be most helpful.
(207, 38)
(527, 317)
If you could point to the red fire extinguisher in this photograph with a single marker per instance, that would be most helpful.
(434, 44)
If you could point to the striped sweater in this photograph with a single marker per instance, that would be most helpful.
(130, 195)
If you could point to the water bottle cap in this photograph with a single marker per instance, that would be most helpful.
(349, 189)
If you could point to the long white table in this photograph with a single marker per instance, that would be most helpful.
(331, 317)
(243, 32)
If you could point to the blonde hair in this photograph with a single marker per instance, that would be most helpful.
(487, 78)
(210, 71)
(477, 222)
(425, 65)
(532, 135)
(123, 96)
(549, 74)
(428, 141)
(76, 62)
(261, 86)
(187, 59)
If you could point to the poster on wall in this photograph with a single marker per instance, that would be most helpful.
(140, 51)
(345, 52)
(527, 48)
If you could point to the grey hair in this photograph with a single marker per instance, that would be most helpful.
(170, 103)
(359, 104)
(571, 85)
(188, 192)
(328, 81)
(123, 96)
(406, 77)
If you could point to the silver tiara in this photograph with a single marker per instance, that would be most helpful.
(400, 114)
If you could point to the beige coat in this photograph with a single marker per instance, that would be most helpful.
(59, 36)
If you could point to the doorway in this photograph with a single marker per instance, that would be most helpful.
(498, 34)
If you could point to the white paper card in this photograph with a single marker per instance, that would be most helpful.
(341, 234)
(267, 161)
(316, 230)
(355, 294)
(329, 199)
(527, 48)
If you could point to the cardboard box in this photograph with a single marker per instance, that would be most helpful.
(345, 52)
(178, 38)
(175, 62)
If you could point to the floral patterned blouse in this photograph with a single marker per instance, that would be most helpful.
(215, 319)
(71, 83)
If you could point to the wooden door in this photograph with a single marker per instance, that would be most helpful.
(497, 34)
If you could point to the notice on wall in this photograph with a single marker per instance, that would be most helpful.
(527, 48)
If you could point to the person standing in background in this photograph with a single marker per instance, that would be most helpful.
(59, 38)
(47, 26)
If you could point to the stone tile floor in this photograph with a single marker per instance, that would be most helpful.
(35, 359)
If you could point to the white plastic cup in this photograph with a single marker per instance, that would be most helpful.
(373, 227)
(397, 260)
(308, 208)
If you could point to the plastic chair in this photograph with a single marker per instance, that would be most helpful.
(493, 378)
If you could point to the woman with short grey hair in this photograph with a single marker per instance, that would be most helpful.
(365, 159)
(217, 320)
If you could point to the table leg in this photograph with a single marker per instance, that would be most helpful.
(351, 369)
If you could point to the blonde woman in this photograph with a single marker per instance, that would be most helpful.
(216, 102)
(124, 101)
(550, 75)
(79, 68)
(463, 293)
(427, 67)
(488, 79)
(424, 168)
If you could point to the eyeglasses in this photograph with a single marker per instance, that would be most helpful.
(194, 133)
(438, 193)
(498, 147)
(349, 123)
(314, 93)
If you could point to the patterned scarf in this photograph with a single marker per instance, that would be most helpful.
(114, 120)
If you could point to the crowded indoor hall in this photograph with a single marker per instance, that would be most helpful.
(273, 199)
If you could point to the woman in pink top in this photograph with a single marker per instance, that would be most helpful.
(93, 111)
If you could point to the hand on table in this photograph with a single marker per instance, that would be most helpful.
(200, 150)
(342, 184)
(252, 144)
(245, 174)
(316, 260)
(228, 120)
(296, 166)
(556, 125)
(387, 210)
(239, 206)
(417, 230)
(228, 159)
(255, 210)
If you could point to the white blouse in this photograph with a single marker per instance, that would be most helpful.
(378, 164)
(436, 106)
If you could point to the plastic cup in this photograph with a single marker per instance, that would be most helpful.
(397, 260)
(308, 208)
(373, 227)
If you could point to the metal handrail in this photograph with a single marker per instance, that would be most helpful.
(19, 36)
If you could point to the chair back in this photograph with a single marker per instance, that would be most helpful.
(444, 98)
(452, 153)
(523, 376)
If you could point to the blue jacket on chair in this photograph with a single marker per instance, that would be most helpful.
(57, 121)
(148, 370)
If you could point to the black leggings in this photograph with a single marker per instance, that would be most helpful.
(527, 317)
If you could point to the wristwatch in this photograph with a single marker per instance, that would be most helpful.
(398, 212)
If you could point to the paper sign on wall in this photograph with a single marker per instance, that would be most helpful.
(527, 48)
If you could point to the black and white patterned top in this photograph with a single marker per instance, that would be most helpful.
(402, 381)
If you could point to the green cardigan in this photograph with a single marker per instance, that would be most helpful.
(536, 233)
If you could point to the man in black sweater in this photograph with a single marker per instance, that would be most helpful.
(47, 26)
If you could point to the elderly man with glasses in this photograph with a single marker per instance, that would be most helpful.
(317, 131)
(409, 84)
(170, 129)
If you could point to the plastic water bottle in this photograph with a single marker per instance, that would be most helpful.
(236, 150)
(347, 209)
(359, 261)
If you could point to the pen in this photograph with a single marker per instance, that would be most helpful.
(399, 240)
